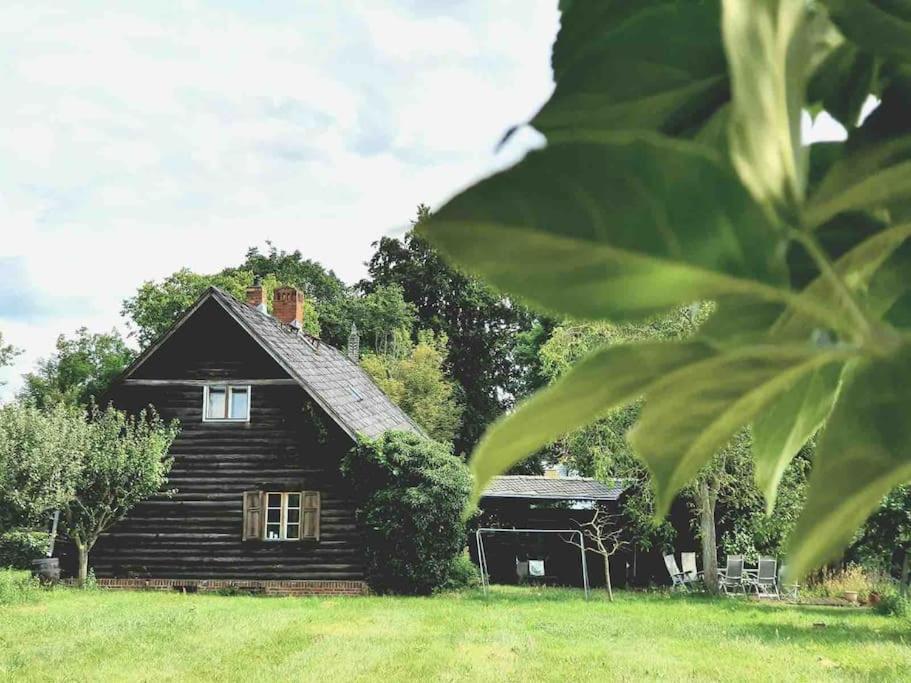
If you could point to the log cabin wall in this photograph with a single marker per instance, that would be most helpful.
(289, 444)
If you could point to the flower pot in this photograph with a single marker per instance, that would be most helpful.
(47, 569)
(850, 596)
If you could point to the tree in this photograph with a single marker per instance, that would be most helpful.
(887, 535)
(7, 353)
(480, 323)
(124, 461)
(156, 305)
(383, 318)
(658, 190)
(605, 539)
(81, 369)
(325, 293)
(39, 461)
(413, 376)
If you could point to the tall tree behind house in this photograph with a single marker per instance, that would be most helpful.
(483, 326)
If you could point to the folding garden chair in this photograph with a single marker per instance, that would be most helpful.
(676, 575)
(690, 574)
(765, 582)
(730, 579)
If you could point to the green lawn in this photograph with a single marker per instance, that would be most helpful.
(515, 634)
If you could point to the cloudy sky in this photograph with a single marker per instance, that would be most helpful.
(139, 138)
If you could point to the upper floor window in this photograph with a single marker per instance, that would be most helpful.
(221, 402)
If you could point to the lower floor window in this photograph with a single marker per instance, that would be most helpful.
(283, 516)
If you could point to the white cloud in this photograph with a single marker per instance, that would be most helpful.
(137, 141)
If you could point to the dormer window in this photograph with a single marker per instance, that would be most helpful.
(225, 403)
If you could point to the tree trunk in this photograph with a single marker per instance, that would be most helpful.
(707, 534)
(906, 570)
(610, 591)
(83, 562)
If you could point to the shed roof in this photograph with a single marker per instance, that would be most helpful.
(338, 384)
(546, 488)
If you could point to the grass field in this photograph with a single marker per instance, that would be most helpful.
(514, 634)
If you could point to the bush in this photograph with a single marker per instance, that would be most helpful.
(20, 546)
(893, 604)
(411, 492)
(463, 573)
(17, 587)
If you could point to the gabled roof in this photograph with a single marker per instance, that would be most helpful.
(546, 488)
(338, 384)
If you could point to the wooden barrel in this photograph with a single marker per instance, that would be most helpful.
(47, 569)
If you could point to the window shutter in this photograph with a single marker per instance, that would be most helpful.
(253, 515)
(310, 513)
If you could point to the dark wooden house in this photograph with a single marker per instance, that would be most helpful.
(266, 412)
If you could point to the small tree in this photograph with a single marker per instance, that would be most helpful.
(39, 461)
(606, 539)
(124, 460)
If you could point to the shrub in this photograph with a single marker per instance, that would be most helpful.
(19, 547)
(411, 492)
(463, 573)
(893, 604)
(17, 587)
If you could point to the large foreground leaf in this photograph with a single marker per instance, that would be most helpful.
(864, 452)
(855, 269)
(613, 376)
(772, 47)
(871, 176)
(787, 424)
(615, 226)
(694, 411)
(882, 28)
(657, 66)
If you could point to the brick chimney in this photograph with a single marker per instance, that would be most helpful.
(288, 306)
(255, 296)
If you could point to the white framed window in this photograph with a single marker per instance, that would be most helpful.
(225, 403)
(283, 516)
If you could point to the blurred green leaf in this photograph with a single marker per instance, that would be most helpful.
(694, 411)
(863, 453)
(867, 177)
(611, 377)
(657, 66)
(883, 28)
(782, 430)
(772, 47)
(617, 226)
(855, 270)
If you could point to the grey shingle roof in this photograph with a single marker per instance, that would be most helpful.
(337, 383)
(544, 488)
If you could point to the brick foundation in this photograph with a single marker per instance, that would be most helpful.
(265, 587)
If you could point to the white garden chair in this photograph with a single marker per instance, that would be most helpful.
(690, 574)
(730, 579)
(676, 575)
